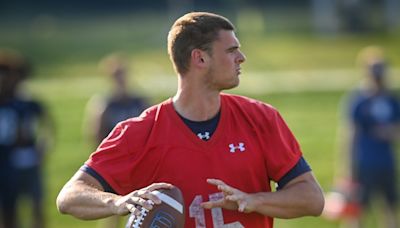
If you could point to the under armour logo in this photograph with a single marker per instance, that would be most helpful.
(205, 136)
(233, 148)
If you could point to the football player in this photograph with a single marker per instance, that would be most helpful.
(221, 150)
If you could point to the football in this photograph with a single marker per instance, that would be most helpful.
(169, 214)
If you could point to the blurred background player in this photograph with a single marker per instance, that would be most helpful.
(25, 132)
(373, 113)
(8, 135)
(103, 113)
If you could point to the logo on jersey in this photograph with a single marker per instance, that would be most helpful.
(205, 136)
(236, 148)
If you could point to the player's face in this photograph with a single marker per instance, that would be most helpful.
(225, 61)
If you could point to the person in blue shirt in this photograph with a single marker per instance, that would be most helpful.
(24, 137)
(374, 115)
(103, 112)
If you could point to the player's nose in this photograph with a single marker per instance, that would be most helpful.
(241, 57)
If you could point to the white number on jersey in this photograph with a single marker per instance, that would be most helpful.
(197, 212)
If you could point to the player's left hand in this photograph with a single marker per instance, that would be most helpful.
(234, 199)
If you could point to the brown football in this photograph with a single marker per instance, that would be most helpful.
(169, 214)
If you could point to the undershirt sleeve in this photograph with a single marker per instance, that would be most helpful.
(300, 168)
(98, 177)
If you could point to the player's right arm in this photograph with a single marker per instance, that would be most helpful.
(84, 197)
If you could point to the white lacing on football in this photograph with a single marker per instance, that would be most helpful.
(138, 220)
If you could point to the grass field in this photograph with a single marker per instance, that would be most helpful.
(303, 75)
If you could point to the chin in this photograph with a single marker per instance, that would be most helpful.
(231, 85)
(236, 82)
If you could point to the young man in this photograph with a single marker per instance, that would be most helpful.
(221, 150)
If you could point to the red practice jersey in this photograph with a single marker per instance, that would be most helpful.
(251, 146)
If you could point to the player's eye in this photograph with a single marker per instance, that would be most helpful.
(232, 49)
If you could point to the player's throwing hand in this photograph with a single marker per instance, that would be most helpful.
(234, 199)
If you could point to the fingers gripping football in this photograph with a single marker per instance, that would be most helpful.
(134, 201)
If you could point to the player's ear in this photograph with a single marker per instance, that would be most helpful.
(198, 58)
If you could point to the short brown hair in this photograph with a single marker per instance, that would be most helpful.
(191, 31)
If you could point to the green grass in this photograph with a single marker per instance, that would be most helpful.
(303, 75)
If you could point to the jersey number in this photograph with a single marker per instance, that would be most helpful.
(197, 212)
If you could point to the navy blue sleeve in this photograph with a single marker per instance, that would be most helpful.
(396, 104)
(300, 168)
(93, 173)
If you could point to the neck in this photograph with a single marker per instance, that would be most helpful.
(196, 103)
(376, 88)
(120, 92)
